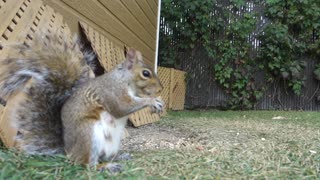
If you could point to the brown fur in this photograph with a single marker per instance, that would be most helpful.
(56, 69)
(94, 113)
(61, 97)
(112, 91)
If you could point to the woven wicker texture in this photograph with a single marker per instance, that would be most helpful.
(110, 55)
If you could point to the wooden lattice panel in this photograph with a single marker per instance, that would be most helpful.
(174, 85)
(143, 117)
(109, 55)
(17, 16)
(1, 110)
(25, 18)
(164, 76)
(178, 87)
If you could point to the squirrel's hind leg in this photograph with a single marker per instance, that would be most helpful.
(111, 167)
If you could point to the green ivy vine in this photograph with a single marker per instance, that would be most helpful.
(291, 34)
(288, 38)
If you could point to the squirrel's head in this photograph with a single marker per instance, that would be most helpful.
(145, 81)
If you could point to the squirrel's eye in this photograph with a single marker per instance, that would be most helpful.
(146, 73)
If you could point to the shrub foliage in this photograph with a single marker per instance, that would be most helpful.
(244, 37)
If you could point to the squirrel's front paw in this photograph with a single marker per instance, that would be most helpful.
(158, 106)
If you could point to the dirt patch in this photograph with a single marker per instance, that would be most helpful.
(155, 137)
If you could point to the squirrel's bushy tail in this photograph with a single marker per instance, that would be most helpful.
(46, 71)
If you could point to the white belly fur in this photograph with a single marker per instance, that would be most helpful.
(107, 125)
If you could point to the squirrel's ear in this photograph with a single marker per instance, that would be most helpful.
(131, 54)
(132, 57)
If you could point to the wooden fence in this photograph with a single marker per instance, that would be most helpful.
(204, 92)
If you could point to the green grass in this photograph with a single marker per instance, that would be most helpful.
(227, 144)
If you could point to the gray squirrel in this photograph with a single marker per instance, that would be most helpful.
(68, 110)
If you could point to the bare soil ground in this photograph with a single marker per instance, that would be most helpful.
(155, 137)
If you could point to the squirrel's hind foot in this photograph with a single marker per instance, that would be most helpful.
(113, 168)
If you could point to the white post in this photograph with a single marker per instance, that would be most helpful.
(157, 39)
